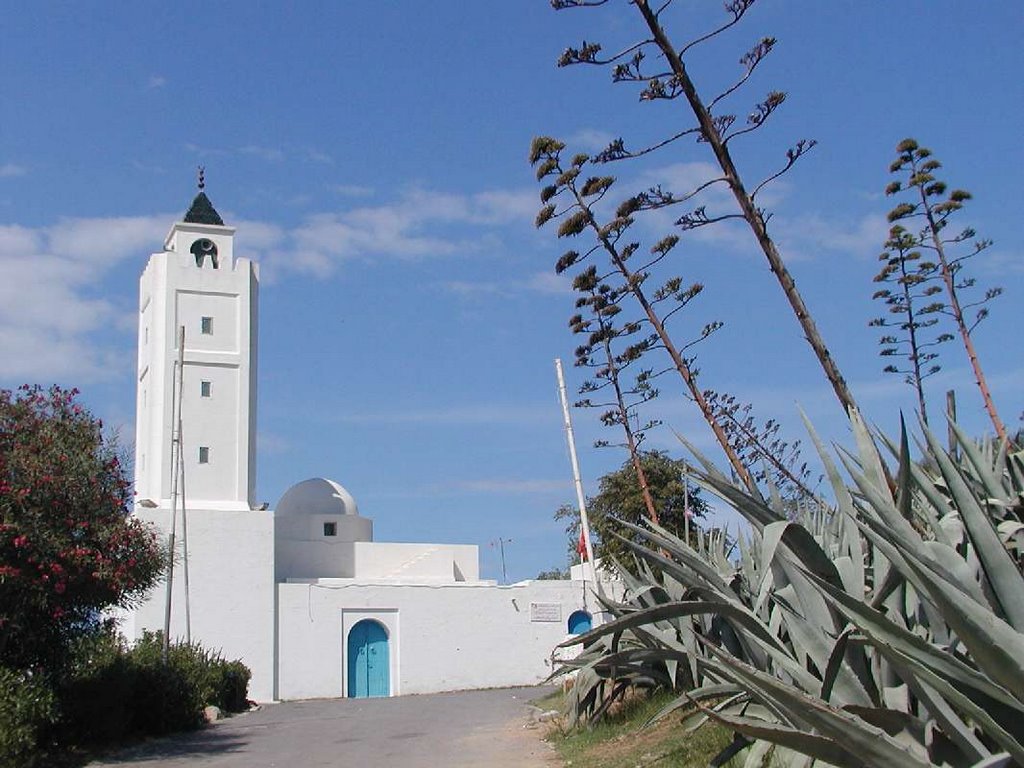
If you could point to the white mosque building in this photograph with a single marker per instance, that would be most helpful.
(302, 594)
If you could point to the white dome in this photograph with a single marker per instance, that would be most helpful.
(317, 496)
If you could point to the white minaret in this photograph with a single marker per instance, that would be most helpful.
(197, 283)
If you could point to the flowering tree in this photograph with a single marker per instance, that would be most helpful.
(68, 547)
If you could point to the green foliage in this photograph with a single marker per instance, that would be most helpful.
(97, 697)
(173, 695)
(555, 574)
(886, 632)
(619, 501)
(621, 739)
(115, 692)
(68, 547)
(27, 708)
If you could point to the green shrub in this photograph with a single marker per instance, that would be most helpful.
(27, 707)
(96, 695)
(169, 697)
(115, 691)
(232, 688)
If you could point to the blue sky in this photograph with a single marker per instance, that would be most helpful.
(373, 158)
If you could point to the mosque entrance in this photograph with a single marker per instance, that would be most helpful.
(369, 660)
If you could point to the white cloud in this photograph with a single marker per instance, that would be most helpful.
(539, 282)
(451, 415)
(420, 223)
(497, 207)
(810, 236)
(156, 81)
(352, 190)
(316, 156)
(469, 288)
(54, 318)
(9, 170)
(590, 139)
(272, 445)
(506, 486)
(270, 154)
(206, 151)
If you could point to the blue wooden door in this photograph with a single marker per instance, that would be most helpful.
(369, 663)
(579, 623)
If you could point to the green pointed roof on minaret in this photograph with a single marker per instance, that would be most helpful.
(202, 211)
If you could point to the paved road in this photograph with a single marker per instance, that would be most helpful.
(449, 730)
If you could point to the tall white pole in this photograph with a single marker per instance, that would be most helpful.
(175, 466)
(686, 501)
(580, 497)
(184, 539)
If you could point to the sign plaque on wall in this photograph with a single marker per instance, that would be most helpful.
(545, 612)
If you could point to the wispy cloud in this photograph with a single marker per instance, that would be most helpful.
(138, 165)
(196, 149)
(263, 152)
(9, 170)
(156, 81)
(512, 485)
(589, 139)
(810, 236)
(352, 190)
(479, 487)
(272, 445)
(539, 282)
(419, 223)
(451, 415)
(54, 319)
(270, 154)
(316, 156)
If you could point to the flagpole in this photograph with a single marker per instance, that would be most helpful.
(580, 497)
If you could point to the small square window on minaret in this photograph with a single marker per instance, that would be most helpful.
(204, 454)
(330, 529)
(206, 325)
(205, 388)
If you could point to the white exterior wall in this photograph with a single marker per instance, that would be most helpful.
(441, 637)
(420, 562)
(231, 589)
(313, 559)
(230, 546)
(174, 292)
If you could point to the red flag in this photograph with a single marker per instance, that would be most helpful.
(581, 547)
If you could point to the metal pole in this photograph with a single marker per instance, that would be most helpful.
(580, 497)
(686, 502)
(184, 544)
(504, 573)
(176, 385)
(951, 412)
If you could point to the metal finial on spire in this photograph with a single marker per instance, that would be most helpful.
(202, 177)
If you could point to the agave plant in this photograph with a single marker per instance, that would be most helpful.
(886, 631)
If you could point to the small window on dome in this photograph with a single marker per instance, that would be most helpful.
(330, 529)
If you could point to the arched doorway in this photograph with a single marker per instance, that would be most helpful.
(580, 622)
(369, 660)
